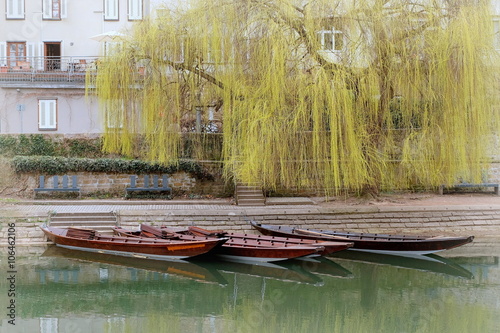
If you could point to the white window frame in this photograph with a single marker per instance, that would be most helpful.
(49, 325)
(14, 9)
(48, 9)
(111, 48)
(3, 54)
(134, 10)
(335, 34)
(111, 10)
(114, 122)
(47, 114)
(496, 33)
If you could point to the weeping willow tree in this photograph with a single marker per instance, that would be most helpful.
(339, 95)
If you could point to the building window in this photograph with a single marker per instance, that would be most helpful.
(331, 40)
(54, 9)
(496, 36)
(47, 114)
(15, 9)
(114, 114)
(49, 325)
(134, 10)
(111, 48)
(16, 53)
(111, 10)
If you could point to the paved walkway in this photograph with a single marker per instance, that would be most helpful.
(474, 201)
(78, 206)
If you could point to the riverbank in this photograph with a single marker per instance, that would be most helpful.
(475, 214)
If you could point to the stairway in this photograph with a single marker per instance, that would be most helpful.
(102, 222)
(249, 195)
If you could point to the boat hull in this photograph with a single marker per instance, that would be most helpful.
(385, 244)
(262, 254)
(123, 246)
(242, 247)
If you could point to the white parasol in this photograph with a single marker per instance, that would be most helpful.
(110, 36)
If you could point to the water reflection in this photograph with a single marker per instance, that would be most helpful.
(429, 263)
(179, 268)
(71, 291)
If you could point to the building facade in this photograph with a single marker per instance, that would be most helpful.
(46, 46)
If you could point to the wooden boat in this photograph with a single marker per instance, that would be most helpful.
(140, 247)
(262, 240)
(380, 243)
(237, 249)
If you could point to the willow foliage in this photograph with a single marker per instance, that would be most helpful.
(360, 94)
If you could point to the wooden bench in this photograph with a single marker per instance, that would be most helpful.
(147, 186)
(468, 185)
(56, 187)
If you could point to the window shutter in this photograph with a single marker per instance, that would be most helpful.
(47, 9)
(15, 9)
(111, 9)
(31, 54)
(47, 114)
(64, 8)
(41, 56)
(134, 9)
(3, 54)
(10, 8)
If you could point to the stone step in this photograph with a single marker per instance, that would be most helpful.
(252, 202)
(83, 218)
(102, 222)
(250, 195)
(79, 223)
(271, 201)
(248, 188)
(89, 214)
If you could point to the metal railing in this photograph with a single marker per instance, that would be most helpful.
(45, 69)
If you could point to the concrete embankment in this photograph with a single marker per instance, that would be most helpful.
(482, 221)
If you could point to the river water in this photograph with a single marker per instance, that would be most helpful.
(59, 290)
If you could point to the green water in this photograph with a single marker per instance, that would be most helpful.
(63, 291)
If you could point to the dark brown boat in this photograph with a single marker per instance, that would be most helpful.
(238, 249)
(380, 243)
(140, 247)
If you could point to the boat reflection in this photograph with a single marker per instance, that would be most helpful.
(431, 262)
(274, 271)
(319, 266)
(179, 268)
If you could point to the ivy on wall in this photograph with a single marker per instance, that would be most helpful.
(198, 146)
(51, 165)
(47, 145)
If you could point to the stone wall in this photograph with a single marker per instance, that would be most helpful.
(26, 228)
(479, 221)
(114, 185)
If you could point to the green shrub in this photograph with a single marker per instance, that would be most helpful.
(59, 165)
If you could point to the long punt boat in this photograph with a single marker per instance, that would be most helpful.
(140, 247)
(380, 243)
(240, 247)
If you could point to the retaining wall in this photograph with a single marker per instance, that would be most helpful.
(479, 221)
(421, 220)
(113, 184)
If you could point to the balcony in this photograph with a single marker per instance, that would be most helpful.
(45, 72)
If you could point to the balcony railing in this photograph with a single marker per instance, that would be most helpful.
(45, 69)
